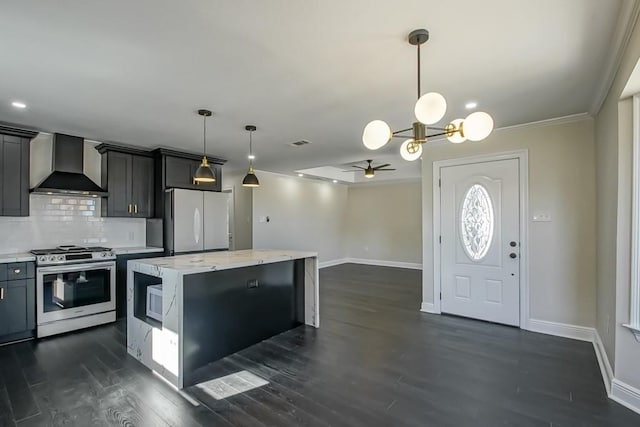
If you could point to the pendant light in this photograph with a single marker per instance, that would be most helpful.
(250, 180)
(204, 173)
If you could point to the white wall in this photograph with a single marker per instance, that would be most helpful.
(303, 214)
(613, 138)
(627, 353)
(561, 181)
(384, 222)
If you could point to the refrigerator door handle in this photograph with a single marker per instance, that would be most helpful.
(197, 225)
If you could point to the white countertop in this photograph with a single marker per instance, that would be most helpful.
(18, 257)
(224, 260)
(137, 250)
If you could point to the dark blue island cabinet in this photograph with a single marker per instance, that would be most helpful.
(187, 311)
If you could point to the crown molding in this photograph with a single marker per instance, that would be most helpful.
(627, 18)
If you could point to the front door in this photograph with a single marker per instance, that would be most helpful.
(480, 230)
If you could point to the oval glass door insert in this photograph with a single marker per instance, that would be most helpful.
(476, 222)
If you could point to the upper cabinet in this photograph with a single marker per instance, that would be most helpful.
(128, 176)
(177, 170)
(14, 171)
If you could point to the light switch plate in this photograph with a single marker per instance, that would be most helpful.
(541, 216)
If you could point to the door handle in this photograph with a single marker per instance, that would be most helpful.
(513, 255)
(129, 208)
(135, 208)
(512, 244)
(1, 294)
(16, 271)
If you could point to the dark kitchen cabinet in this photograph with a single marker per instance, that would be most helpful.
(128, 176)
(179, 173)
(14, 174)
(121, 279)
(175, 169)
(17, 302)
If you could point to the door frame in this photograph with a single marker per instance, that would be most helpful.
(523, 162)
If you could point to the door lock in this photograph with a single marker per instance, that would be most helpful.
(513, 255)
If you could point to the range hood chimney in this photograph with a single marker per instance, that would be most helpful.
(67, 175)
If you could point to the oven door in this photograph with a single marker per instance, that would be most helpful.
(65, 292)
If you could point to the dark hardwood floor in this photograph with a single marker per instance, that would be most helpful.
(375, 361)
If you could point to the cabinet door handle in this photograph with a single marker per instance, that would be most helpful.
(16, 271)
(135, 208)
(129, 208)
(1, 294)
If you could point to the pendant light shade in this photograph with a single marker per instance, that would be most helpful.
(250, 179)
(204, 173)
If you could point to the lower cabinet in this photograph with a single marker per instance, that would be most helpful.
(121, 279)
(17, 302)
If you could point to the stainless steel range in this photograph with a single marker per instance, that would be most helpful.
(75, 288)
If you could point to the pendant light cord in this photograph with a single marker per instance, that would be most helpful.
(419, 91)
(251, 149)
(204, 118)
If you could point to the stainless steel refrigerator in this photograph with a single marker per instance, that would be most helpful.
(196, 221)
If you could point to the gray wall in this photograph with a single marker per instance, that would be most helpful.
(384, 222)
(303, 214)
(562, 181)
(243, 210)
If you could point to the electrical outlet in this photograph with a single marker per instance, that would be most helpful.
(542, 216)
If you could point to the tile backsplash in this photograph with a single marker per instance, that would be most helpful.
(64, 220)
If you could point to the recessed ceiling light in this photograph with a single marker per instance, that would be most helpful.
(335, 181)
(470, 105)
(300, 175)
(18, 104)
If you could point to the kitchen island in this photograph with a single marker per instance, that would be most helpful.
(186, 311)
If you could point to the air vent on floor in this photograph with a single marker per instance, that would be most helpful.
(300, 143)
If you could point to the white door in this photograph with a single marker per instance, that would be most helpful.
(216, 220)
(480, 230)
(187, 221)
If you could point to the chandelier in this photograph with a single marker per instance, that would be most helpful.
(429, 109)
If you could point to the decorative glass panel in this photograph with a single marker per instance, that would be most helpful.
(476, 222)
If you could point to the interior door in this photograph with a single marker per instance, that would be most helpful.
(216, 220)
(187, 220)
(480, 257)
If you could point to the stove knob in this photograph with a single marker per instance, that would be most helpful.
(52, 258)
(60, 258)
(42, 258)
(104, 254)
(111, 254)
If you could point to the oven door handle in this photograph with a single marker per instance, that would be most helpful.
(74, 268)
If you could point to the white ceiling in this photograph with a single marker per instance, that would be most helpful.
(136, 71)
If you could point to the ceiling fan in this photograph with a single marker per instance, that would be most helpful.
(370, 171)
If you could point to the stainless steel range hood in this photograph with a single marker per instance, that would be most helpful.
(67, 175)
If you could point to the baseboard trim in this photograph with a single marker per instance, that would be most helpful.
(625, 395)
(582, 333)
(603, 362)
(332, 263)
(382, 263)
(428, 307)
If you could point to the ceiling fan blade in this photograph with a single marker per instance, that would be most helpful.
(382, 166)
(359, 167)
(349, 170)
(385, 169)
